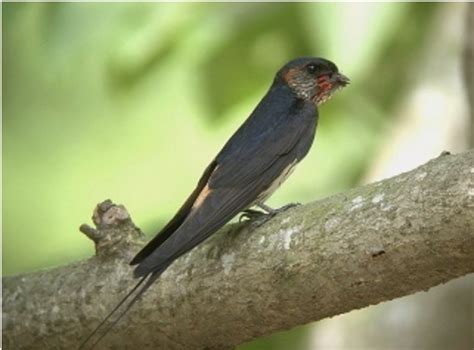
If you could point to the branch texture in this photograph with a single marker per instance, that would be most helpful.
(371, 244)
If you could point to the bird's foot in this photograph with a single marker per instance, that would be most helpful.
(282, 209)
(260, 217)
(252, 215)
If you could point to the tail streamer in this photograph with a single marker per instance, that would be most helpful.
(149, 281)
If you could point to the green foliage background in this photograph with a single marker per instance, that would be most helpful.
(131, 101)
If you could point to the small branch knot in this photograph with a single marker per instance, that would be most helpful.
(115, 233)
(109, 214)
(90, 232)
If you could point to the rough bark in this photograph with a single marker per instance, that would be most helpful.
(371, 244)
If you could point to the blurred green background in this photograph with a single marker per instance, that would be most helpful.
(131, 102)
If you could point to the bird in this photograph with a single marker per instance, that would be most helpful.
(253, 163)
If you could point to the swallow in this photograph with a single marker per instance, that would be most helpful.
(253, 163)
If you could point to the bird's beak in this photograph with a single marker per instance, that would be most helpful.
(340, 79)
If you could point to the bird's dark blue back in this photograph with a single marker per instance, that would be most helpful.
(272, 112)
(278, 122)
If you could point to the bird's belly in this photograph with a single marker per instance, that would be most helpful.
(276, 183)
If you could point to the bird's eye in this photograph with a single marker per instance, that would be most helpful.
(311, 68)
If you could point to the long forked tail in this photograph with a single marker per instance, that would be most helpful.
(149, 281)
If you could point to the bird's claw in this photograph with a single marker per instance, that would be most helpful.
(286, 207)
(255, 217)
(260, 217)
(274, 212)
(251, 215)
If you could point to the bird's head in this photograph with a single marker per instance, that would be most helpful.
(312, 79)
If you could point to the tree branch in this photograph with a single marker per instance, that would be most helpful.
(371, 244)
